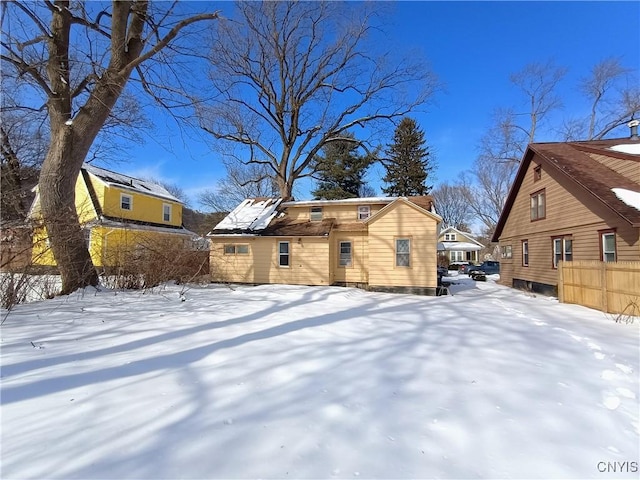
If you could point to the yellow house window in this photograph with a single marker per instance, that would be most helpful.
(233, 249)
(126, 201)
(283, 254)
(403, 252)
(364, 212)
(316, 214)
(166, 212)
(345, 254)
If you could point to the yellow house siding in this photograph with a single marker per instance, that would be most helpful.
(358, 271)
(403, 221)
(144, 208)
(308, 261)
(342, 213)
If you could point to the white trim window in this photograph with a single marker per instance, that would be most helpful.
(609, 247)
(562, 250)
(166, 212)
(346, 259)
(456, 256)
(126, 202)
(525, 253)
(450, 237)
(364, 212)
(236, 249)
(403, 252)
(284, 257)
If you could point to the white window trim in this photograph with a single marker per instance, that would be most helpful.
(122, 197)
(604, 251)
(525, 253)
(165, 205)
(288, 254)
(350, 264)
(364, 212)
(408, 239)
(450, 237)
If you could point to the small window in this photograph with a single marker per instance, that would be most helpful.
(537, 173)
(126, 202)
(450, 237)
(525, 253)
(456, 256)
(608, 246)
(233, 249)
(229, 249)
(538, 211)
(345, 254)
(315, 214)
(242, 249)
(283, 254)
(166, 212)
(562, 250)
(364, 212)
(403, 252)
(506, 251)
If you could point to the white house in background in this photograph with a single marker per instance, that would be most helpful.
(459, 246)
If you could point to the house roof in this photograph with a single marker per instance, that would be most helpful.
(130, 183)
(572, 161)
(464, 234)
(264, 216)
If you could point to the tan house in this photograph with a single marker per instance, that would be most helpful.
(459, 246)
(385, 244)
(570, 201)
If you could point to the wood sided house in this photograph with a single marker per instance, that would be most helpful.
(459, 246)
(570, 201)
(120, 215)
(385, 244)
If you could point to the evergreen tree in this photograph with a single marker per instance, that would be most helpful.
(340, 171)
(408, 164)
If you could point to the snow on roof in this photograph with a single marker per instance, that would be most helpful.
(252, 214)
(130, 183)
(461, 246)
(632, 148)
(629, 197)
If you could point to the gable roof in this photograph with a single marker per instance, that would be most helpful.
(572, 161)
(129, 183)
(423, 204)
(450, 245)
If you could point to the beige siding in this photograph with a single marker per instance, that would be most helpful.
(343, 213)
(403, 221)
(308, 261)
(579, 216)
(358, 271)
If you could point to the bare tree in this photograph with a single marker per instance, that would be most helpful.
(294, 75)
(78, 58)
(452, 205)
(242, 181)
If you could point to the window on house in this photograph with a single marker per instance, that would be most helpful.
(364, 212)
(449, 237)
(537, 173)
(283, 254)
(126, 201)
(234, 249)
(403, 252)
(345, 254)
(608, 246)
(525, 253)
(538, 205)
(562, 250)
(316, 214)
(166, 212)
(456, 256)
(506, 251)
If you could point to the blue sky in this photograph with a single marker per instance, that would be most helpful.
(473, 47)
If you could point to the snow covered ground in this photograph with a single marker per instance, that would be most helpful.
(317, 382)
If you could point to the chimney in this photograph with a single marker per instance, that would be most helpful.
(633, 125)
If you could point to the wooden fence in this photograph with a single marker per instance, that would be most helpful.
(613, 287)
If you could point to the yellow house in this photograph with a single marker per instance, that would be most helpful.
(120, 215)
(384, 244)
(459, 246)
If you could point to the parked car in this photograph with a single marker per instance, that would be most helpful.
(489, 267)
(459, 266)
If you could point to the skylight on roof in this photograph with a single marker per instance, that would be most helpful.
(632, 148)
